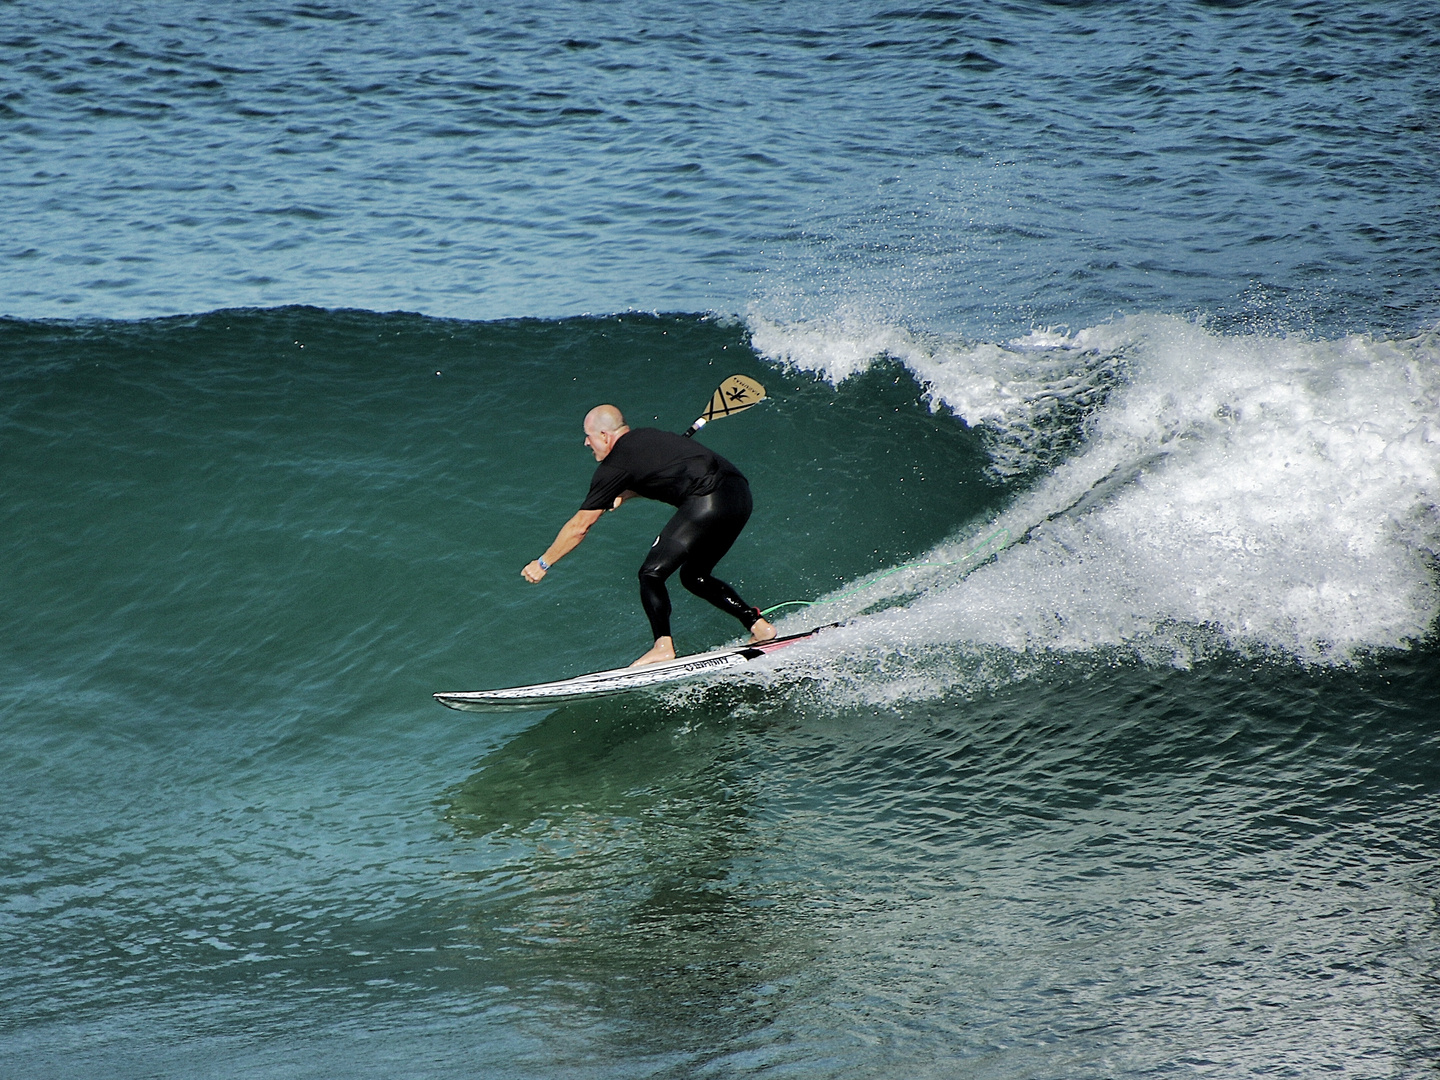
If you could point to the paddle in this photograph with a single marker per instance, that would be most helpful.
(735, 394)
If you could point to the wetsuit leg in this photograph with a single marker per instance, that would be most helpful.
(693, 541)
(697, 572)
(654, 598)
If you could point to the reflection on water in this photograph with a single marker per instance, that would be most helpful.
(631, 865)
(1021, 878)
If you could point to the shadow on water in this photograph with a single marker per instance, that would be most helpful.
(630, 867)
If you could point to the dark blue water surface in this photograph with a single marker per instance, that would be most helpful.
(983, 165)
(1102, 350)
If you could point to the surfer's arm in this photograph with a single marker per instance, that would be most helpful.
(566, 541)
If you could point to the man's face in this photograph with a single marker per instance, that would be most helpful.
(599, 442)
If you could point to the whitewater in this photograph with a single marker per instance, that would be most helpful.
(1271, 494)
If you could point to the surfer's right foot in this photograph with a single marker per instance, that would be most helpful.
(760, 630)
(664, 650)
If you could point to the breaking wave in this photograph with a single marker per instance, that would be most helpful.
(1176, 490)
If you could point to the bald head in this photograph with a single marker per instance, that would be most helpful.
(603, 426)
(603, 418)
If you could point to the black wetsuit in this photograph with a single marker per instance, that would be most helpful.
(712, 500)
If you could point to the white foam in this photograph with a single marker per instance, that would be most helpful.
(1026, 397)
(1276, 494)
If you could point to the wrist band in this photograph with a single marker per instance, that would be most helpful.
(543, 564)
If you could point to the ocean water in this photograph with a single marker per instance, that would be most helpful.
(1103, 348)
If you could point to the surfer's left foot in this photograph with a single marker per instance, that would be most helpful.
(760, 630)
(664, 650)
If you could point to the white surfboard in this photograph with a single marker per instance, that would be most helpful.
(618, 680)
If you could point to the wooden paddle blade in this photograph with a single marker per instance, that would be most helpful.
(735, 394)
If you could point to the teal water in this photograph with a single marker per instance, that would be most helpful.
(1105, 413)
(987, 830)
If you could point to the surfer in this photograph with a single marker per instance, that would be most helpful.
(712, 501)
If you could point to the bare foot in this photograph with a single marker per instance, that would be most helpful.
(760, 630)
(664, 650)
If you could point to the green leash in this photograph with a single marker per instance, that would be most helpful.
(984, 546)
